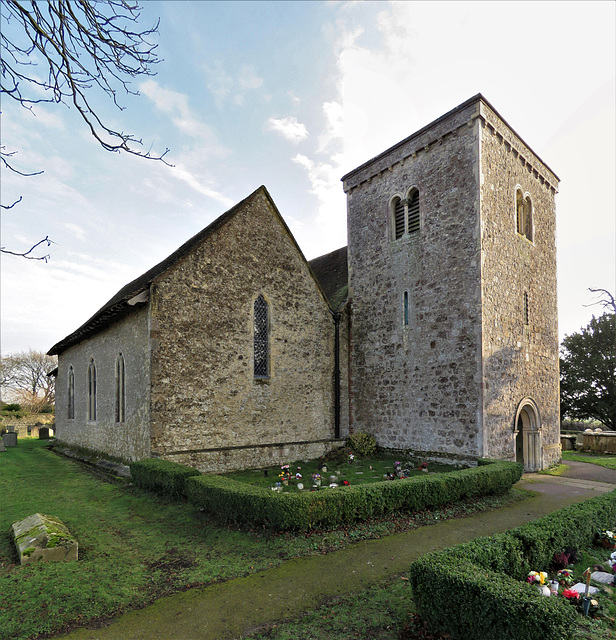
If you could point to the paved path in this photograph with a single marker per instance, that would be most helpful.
(231, 609)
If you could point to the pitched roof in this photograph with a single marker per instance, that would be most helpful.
(331, 270)
(134, 294)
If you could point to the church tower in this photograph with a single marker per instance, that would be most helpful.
(453, 340)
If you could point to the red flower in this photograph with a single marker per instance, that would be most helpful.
(571, 594)
(346, 482)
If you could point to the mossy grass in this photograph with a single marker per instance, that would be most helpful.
(378, 613)
(136, 546)
(601, 459)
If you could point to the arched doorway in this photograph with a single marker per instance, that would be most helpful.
(527, 436)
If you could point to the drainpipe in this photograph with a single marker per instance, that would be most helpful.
(336, 317)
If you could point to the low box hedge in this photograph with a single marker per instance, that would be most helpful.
(162, 476)
(478, 589)
(234, 501)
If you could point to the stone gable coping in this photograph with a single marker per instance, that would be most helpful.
(135, 294)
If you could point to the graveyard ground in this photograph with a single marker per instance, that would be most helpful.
(135, 547)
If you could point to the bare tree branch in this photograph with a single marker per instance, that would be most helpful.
(608, 303)
(80, 46)
(83, 44)
(25, 373)
(26, 254)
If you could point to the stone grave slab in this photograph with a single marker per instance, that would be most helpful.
(43, 538)
(580, 587)
(602, 577)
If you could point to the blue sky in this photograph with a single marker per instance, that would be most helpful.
(293, 95)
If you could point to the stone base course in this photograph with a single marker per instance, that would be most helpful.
(255, 457)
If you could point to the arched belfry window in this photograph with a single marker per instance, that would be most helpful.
(261, 338)
(404, 215)
(71, 393)
(92, 391)
(399, 217)
(524, 215)
(413, 211)
(120, 394)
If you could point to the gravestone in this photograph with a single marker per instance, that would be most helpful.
(43, 538)
(43, 433)
(10, 439)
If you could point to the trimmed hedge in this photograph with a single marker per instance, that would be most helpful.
(234, 501)
(162, 476)
(478, 589)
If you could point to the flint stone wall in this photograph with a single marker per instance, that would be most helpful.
(519, 361)
(418, 386)
(205, 397)
(452, 381)
(128, 440)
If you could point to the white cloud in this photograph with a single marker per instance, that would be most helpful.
(334, 127)
(294, 98)
(77, 231)
(50, 120)
(289, 128)
(324, 178)
(176, 104)
(223, 84)
(248, 78)
(189, 178)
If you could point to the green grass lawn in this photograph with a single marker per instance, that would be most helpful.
(134, 546)
(338, 470)
(593, 458)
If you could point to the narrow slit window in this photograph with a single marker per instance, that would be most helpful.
(120, 405)
(71, 393)
(405, 308)
(526, 311)
(92, 391)
(261, 338)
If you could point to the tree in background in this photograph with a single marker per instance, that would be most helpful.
(24, 379)
(588, 368)
(62, 51)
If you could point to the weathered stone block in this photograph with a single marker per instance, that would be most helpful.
(44, 538)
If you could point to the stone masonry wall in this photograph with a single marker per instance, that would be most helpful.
(129, 440)
(205, 400)
(519, 361)
(418, 387)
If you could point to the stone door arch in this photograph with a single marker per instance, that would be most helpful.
(527, 435)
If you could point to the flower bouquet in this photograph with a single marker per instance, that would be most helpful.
(607, 538)
(565, 577)
(539, 579)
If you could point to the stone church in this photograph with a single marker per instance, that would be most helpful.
(435, 329)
